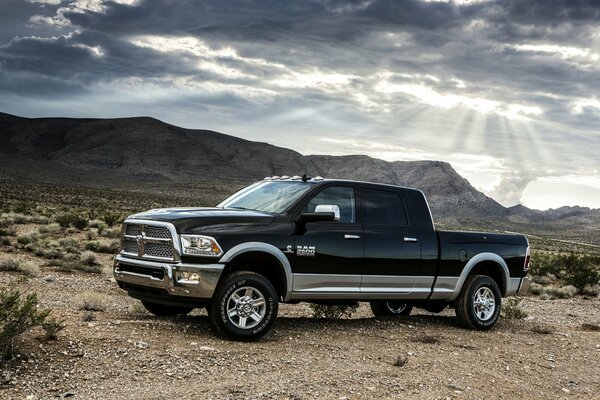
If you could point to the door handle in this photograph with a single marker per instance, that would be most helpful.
(410, 239)
(352, 237)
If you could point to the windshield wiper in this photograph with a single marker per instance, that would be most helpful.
(239, 208)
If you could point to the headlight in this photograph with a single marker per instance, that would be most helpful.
(198, 245)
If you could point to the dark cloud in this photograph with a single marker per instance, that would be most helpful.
(497, 72)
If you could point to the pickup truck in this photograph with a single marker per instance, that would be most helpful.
(293, 239)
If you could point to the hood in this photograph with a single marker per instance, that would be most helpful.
(186, 219)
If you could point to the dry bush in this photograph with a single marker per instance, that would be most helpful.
(542, 330)
(9, 265)
(18, 314)
(553, 292)
(511, 309)
(92, 301)
(137, 309)
(110, 246)
(114, 233)
(30, 269)
(51, 327)
(333, 311)
(49, 229)
(400, 362)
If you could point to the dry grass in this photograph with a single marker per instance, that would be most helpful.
(92, 301)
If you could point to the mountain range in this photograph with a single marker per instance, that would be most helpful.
(118, 153)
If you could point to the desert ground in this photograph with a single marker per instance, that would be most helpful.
(111, 348)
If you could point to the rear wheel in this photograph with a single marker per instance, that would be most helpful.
(161, 310)
(390, 308)
(244, 306)
(478, 304)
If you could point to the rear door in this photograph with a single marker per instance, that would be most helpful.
(392, 246)
(328, 254)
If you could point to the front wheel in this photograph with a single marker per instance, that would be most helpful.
(390, 308)
(478, 304)
(244, 306)
(161, 310)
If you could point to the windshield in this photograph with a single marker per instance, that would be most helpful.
(269, 196)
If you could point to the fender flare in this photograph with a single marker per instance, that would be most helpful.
(268, 249)
(481, 257)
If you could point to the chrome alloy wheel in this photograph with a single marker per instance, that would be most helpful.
(395, 307)
(484, 303)
(246, 307)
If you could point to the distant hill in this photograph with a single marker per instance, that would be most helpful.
(144, 151)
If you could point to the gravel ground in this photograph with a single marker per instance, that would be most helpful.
(125, 353)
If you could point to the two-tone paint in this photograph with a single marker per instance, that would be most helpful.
(351, 261)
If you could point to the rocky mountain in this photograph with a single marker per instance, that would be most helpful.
(143, 150)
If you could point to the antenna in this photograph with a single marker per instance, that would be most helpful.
(305, 178)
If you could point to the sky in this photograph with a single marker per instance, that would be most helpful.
(508, 91)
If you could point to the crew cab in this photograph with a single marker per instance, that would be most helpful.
(293, 239)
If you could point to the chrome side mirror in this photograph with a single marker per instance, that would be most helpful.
(329, 208)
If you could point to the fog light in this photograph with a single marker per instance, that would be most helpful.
(190, 276)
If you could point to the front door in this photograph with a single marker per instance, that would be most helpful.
(328, 255)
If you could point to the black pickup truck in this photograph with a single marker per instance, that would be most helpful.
(291, 239)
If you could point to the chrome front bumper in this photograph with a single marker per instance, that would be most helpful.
(172, 278)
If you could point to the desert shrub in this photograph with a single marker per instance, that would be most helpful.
(590, 290)
(103, 246)
(18, 314)
(137, 309)
(511, 309)
(5, 241)
(51, 327)
(95, 223)
(24, 208)
(70, 245)
(111, 218)
(114, 233)
(75, 262)
(92, 301)
(67, 220)
(28, 238)
(49, 229)
(400, 362)
(553, 292)
(92, 234)
(9, 265)
(30, 269)
(580, 274)
(333, 311)
(7, 231)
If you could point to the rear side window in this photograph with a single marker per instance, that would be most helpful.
(341, 196)
(383, 207)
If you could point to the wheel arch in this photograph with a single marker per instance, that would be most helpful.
(489, 264)
(263, 258)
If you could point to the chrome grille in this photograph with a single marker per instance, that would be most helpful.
(157, 232)
(159, 250)
(146, 240)
(130, 246)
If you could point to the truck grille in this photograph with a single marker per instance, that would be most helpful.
(148, 241)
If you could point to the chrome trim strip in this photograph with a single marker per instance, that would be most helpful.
(265, 248)
(444, 287)
(471, 264)
(204, 288)
(331, 283)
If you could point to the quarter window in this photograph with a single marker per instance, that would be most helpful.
(341, 196)
(384, 208)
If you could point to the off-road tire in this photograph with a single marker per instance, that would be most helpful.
(390, 308)
(224, 300)
(161, 310)
(465, 303)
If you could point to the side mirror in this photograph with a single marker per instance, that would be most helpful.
(330, 208)
(322, 213)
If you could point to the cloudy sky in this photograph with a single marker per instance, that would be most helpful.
(506, 91)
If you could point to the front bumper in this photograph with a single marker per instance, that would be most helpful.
(168, 276)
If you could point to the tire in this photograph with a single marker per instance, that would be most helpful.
(161, 310)
(390, 308)
(478, 304)
(244, 306)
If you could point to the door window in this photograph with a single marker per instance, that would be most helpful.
(384, 208)
(341, 196)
